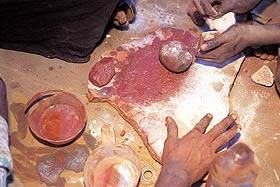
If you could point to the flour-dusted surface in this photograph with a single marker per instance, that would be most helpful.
(144, 92)
(258, 106)
(258, 110)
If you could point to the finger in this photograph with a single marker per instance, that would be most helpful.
(212, 43)
(195, 16)
(221, 127)
(202, 125)
(208, 9)
(198, 6)
(212, 56)
(224, 138)
(224, 8)
(172, 128)
(205, 56)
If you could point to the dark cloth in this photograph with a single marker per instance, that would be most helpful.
(65, 29)
(268, 11)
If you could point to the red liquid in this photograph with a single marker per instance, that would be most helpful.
(59, 122)
(115, 172)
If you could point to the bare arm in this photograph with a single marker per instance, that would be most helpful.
(264, 34)
(171, 175)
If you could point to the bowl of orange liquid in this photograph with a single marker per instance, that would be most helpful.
(55, 117)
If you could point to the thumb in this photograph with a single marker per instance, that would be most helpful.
(172, 128)
(225, 7)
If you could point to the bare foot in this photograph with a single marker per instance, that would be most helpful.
(3, 100)
(125, 14)
(266, 52)
(120, 19)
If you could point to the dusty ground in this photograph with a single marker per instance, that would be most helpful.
(258, 107)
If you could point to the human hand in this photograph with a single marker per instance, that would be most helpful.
(229, 43)
(196, 17)
(185, 160)
(236, 6)
(217, 8)
(206, 7)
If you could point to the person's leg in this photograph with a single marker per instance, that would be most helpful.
(5, 154)
(267, 12)
(277, 75)
(65, 29)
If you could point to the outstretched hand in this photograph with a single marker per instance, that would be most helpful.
(185, 160)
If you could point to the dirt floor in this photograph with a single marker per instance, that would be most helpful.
(258, 107)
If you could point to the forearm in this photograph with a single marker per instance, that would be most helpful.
(263, 34)
(173, 177)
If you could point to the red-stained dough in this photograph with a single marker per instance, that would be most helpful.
(102, 72)
(175, 56)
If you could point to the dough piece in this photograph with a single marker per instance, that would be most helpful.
(263, 76)
(176, 57)
(223, 23)
(102, 72)
(209, 35)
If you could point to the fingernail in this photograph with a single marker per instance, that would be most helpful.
(209, 116)
(238, 130)
(203, 47)
(167, 120)
(233, 116)
(239, 127)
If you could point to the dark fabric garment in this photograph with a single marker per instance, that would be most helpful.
(65, 29)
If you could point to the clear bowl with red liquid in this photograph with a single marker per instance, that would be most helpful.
(111, 164)
(55, 117)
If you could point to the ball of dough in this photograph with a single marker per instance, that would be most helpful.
(175, 57)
